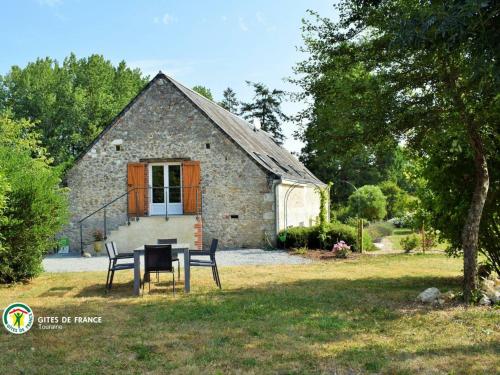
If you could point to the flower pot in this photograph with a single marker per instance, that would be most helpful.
(98, 246)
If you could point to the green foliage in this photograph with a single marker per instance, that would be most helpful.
(324, 193)
(297, 237)
(266, 107)
(444, 197)
(335, 232)
(379, 230)
(410, 242)
(369, 202)
(341, 213)
(398, 201)
(35, 207)
(229, 101)
(70, 102)
(204, 91)
(426, 73)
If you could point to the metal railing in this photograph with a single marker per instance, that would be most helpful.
(136, 214)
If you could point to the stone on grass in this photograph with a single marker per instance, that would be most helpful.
(429, 295)
(491, 290)
(87, 255)
(485, 301)
(494, 297)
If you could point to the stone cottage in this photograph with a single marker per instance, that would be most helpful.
(174, 164)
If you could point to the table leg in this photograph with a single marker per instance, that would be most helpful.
(187, 272)
(137, 273)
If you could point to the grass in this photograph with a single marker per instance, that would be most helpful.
(400, 233)
(353, 316)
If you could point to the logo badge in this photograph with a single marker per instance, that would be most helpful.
(18, 318)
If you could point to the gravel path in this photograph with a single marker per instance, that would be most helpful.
(72, 263)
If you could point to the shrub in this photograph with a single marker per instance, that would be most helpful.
(431, 239)
(342, 214)
(335, 232)
(341, 249)
(352, 222)
(410, 242)
(98, 235)
(379, 230)
(369, 201)
(35, 206)
(297, 236)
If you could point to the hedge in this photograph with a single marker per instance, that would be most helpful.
(379, 229)
(309, 237)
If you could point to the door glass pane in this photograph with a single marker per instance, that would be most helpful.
(158, 181)
(174, 183)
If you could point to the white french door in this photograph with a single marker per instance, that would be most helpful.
(165, 180)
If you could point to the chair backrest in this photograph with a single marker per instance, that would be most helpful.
(213, 248)
(167, 241)
(114, 247)
(157, 258)
(110, 250)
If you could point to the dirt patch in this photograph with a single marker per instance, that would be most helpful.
(323, 255)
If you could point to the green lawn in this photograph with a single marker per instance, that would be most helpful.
(352, 316)
(400, 233)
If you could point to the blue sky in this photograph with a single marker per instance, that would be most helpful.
(215, 43)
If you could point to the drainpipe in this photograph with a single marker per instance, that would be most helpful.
(276, 183)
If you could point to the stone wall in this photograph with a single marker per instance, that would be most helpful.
(164, 124)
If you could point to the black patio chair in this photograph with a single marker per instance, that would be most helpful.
(158, 258)
(114, 265)
(205, 262)
(175, 257)
(121, 255)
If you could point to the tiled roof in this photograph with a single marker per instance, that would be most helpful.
(257, 143)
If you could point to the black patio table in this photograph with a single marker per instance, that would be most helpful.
(176, 248)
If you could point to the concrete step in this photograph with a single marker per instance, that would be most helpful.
(149, 229)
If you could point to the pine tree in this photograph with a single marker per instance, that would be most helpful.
(266, 106)
(229, 101)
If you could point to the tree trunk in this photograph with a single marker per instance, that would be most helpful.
(470, 231)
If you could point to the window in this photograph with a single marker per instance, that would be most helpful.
(262, 159)
(118, 147)
(207, 146)
(158, 181)
(174, 182)
(277, 163)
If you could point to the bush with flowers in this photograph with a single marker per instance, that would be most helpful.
(341, 249)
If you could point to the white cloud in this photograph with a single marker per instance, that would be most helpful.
(242, 24)
(50, 3)
(167, 19)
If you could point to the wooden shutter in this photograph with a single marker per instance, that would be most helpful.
(191, 190)
(137, 177)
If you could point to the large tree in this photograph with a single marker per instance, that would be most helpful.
(69, 102)
(266, 106)
(417, 72)
(229, 101)
(203, 91)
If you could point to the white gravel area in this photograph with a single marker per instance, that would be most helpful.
(72, 263)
